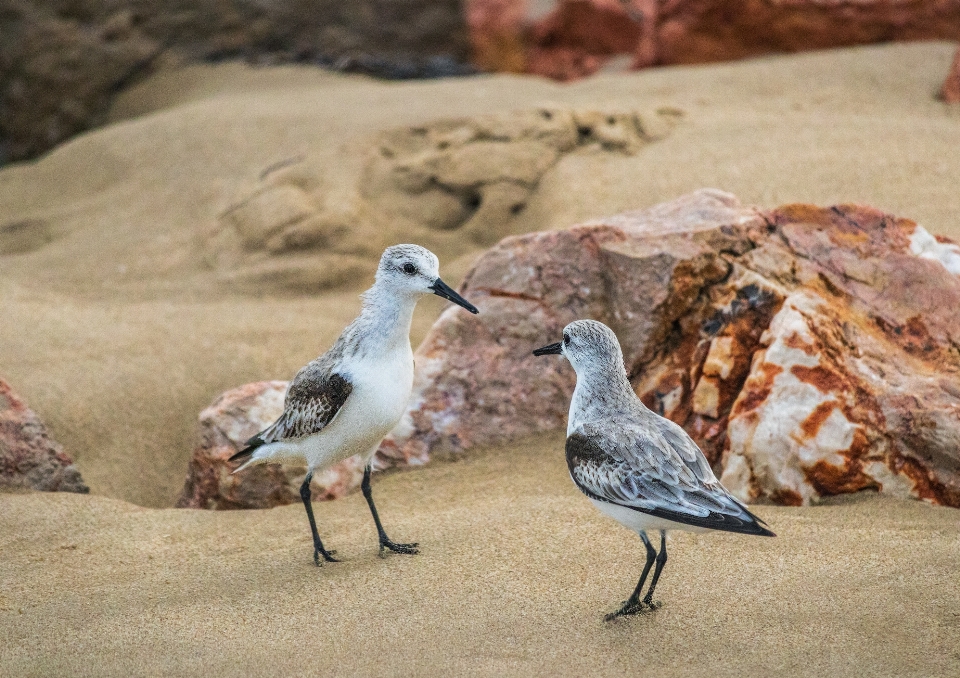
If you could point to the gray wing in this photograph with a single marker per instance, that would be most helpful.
(641, 470)
(314, 398)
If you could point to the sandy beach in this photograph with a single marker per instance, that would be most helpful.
(126, 312)
(516, 572)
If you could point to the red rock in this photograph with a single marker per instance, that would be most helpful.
(810, 351)
(29, 458)
(950, 92)
(496, 34)
(224, 427)
(579, 36)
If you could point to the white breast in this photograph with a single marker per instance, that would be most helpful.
(381, 391)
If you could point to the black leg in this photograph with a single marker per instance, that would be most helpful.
(384, 539)
(633, 604)
(318, 549)
(661, 561)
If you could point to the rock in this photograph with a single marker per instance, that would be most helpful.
(809, 351)
(60, 63)
(224, 427)
(29, 458)
(580, 36)
(950, 92)
(496, 30)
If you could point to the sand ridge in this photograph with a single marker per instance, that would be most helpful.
(516, 572)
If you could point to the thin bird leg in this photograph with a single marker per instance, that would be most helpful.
(318, 549)
(633, 604)
(661, 561)
(384, 539)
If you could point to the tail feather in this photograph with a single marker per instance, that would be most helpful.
(252, 445)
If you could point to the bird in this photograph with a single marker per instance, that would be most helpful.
(344, 402)
(635, 466)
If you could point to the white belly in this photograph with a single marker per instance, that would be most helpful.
(640, 522)
(381, 391)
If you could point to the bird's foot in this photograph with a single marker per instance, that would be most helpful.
(319, 552)
(409, 549)
(630, 608)
(652, 604)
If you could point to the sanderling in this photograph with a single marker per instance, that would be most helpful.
(635, 466)
(345, 402)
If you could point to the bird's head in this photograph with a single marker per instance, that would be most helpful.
(587, 344)
(414, 270)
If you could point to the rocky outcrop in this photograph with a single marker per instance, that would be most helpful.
(950, 92)
(450, 185)
(60, 63)
(810, 351)
(29, 458)
(580, 36)
(224, 427)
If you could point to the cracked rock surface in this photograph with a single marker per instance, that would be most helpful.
(29, 458)
(810, 351)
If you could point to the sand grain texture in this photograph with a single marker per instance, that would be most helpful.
(516, 572)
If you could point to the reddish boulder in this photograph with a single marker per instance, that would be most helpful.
(232, 419)
(810, 351)
(29, 458)
(950, 92)
(580, 36)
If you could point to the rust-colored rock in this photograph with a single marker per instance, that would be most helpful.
(29, 458)
(810, 351)
(232, 419)
(950, 92)
(579, 36)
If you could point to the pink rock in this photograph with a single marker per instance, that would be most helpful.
(29, 458)
(232, 419)
(579, 36)
(496, 30)
(950, 92)
(810, 351)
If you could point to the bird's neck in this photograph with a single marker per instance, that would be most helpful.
(600, 393)
(383, 325)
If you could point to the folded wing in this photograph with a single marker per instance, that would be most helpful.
(642, 470)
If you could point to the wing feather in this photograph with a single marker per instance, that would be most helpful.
(314, 398)
(642, 470)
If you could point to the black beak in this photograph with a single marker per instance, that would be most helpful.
(442, 289)
(550, 349)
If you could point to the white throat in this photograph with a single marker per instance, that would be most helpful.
(383, 326)
(601, 389)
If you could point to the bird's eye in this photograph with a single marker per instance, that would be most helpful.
(409, 268)
(566, 339)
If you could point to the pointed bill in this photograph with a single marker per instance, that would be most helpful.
(442, 289)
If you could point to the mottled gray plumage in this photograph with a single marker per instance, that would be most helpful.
(620, 452)
(344, 402)
(637, 467)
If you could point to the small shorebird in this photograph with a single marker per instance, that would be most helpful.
(345, 402)
(635, 466)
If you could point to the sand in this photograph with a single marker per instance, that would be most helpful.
(130, 300)
(516, 572)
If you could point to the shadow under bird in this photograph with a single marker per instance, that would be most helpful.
(344, 402)
(637, 467)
